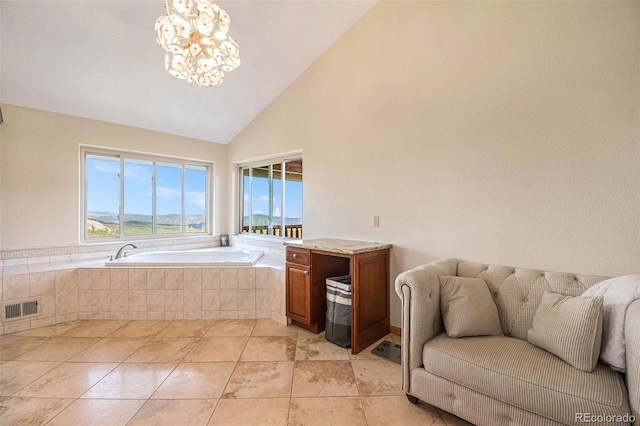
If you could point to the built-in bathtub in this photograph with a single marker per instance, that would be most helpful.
(217, 256)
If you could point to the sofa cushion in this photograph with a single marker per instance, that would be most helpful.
(521, 374)
(467, 307)
(517, 292)
(570, 328)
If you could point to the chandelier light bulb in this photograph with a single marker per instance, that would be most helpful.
(194, 34)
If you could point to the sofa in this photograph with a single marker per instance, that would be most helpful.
(503, 379)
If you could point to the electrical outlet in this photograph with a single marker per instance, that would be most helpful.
(376, 221)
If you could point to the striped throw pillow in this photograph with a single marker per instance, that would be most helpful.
(570, 328)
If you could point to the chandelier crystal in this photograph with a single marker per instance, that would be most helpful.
(195, 38)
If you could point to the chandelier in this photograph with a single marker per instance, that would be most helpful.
(195, 38)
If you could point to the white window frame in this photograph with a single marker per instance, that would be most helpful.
(267, 161)
(123, 155)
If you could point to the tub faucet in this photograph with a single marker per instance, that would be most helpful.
(119, 253)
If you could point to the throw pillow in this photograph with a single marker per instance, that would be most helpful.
(570, 328)
(467, 307)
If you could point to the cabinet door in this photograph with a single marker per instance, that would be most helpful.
(370, 299)
(299, 293)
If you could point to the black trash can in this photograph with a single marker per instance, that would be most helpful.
(338, 323)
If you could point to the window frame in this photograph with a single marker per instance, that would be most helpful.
(155, 159)
(267, 162)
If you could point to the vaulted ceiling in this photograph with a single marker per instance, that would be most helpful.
(100, 60)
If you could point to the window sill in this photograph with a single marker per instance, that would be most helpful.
(263, 237)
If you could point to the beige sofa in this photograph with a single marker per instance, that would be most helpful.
(505, 380)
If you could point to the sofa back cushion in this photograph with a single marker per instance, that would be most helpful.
(517, 292)
(467, 307)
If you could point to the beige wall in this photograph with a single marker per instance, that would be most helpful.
(501, 132)
(40, 171)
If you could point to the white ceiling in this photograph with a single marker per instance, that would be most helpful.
(100, 60)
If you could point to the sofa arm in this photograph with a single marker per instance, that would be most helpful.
(632, 347)
(419, 291)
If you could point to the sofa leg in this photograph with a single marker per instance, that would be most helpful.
(412, 399)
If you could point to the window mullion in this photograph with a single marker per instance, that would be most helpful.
(250, 200)
(270, 183)
(121, 209)
(154, 200)
(183, 222)
(283, 177)
(85, 190)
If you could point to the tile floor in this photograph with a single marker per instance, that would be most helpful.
(197, 372)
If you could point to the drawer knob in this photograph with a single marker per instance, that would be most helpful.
(306, 272)
(295, 254)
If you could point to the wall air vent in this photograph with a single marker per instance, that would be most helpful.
(21, 310)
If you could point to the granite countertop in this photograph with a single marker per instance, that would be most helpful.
(333, 245)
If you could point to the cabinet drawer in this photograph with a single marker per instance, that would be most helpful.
(296, 255)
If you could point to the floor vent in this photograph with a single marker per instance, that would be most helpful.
(21, 310)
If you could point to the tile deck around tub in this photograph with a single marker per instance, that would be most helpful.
(198, 372)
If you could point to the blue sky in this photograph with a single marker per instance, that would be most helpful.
(104, 185)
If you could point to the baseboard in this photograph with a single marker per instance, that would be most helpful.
(395, 330)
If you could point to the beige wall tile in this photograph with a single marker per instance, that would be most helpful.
(228, 300)
(84, 279)
(66, 280)
(37, 322)
(138, 316)
(193, 300)
(174, 315)
(228, 278)
(137, 279)
(100, 279)
(211, 315)
(246, 300)
(210, 278)
(100, 301)
(262, 277)
(41, 283)
(174, 300)
(263, 299)
(192, 279)
(66, 302)
(210, 300)
(119, 301)
(246, 278)
(174, 279)
(73, 316)
(85, 300)
(156, 279)
(119, 279)
(156, 301)
(15, 287)
(137, 300)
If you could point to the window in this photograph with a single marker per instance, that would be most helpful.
(271, 198)
(131, 196)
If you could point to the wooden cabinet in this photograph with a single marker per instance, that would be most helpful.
(299, 293)
(306, 273)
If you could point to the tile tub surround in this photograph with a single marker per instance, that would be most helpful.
(108, 371)
(148, 294)
(80, 287)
